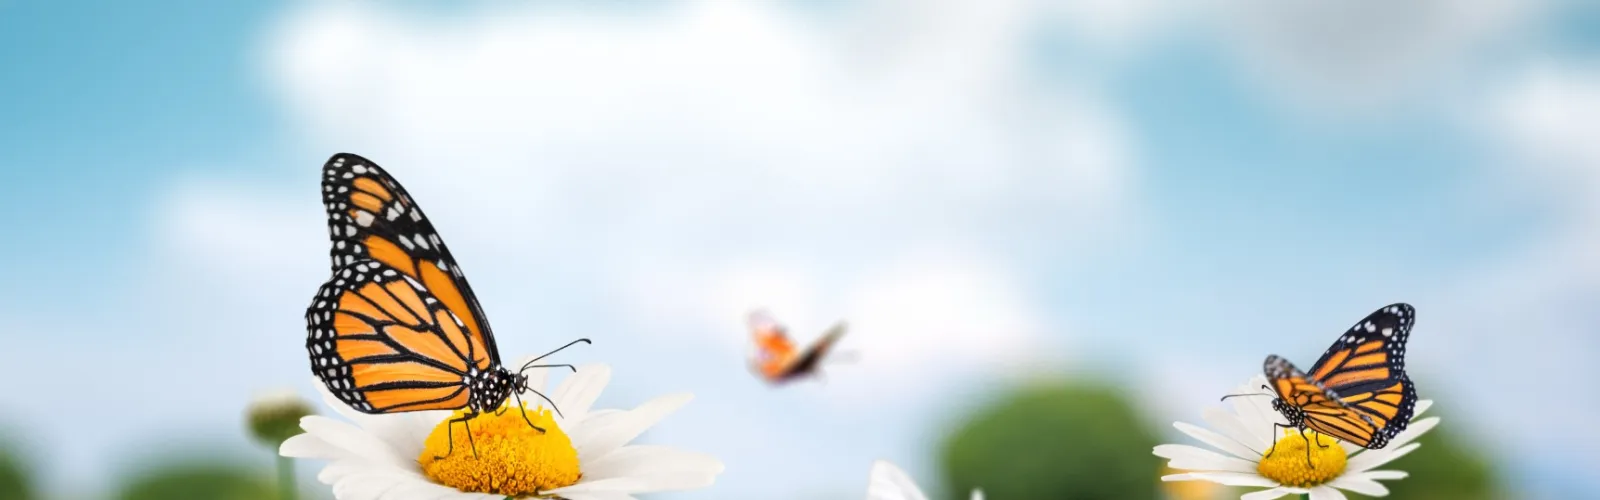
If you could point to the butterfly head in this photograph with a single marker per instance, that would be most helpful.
(1292, 413)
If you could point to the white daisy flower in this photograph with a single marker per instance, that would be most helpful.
(1247, 434)
(581, 456)
(888, 482)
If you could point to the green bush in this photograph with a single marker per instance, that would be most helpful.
(198, 481)
(16, 480)
(1447, 466)
(1060, 441)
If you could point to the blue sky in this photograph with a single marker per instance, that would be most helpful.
(1158, 194)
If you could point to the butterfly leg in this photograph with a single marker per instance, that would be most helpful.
(450, 436)
(1275, 427)
(1308, 448)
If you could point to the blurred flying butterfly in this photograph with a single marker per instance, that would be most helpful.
(1358, 391)
(396, 328)
(777, 360)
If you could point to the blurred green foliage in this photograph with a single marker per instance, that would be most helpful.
(16, 479)
(1068, 440)
(1447, 466)
(193, 480)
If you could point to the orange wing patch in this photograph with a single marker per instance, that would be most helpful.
(383, 343)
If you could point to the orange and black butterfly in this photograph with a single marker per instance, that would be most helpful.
(777, 359)
(396, 328)
(1358, 391)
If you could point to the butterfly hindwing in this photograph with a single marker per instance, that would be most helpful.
(371, 217)
(383, 343)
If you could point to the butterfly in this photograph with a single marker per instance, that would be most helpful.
(776, 359)
(396, 328)
(1358, 391)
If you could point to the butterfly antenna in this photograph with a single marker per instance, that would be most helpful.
(547, 400)
(524, 410)
(530, 367)
(1225, 398)
(558, 349)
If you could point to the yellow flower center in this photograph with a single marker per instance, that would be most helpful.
(513, 459)
(1290, 464)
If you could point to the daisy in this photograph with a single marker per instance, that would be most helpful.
(888, 482)
(1247, 435)
(581, 456)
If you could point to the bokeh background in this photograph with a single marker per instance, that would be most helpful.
(1065, 223)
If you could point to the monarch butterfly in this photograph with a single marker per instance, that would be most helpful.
(1358, 391)
(396, 328)
(776, 360)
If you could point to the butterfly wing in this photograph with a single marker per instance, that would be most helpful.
(372, 218)
(1365, 368)
(383, 343)
(1358, 391)
(807, 361)
(773, 348)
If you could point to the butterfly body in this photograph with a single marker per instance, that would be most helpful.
(396, 328)
(1358, 391)
(778, 360)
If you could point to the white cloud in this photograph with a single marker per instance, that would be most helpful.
(1532, 319)
(1547, 117)
(722, 155)
(1363, 55)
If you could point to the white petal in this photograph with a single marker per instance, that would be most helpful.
(636, 484)
(887, 482)
(1375, 458)
(651, 460)
(1269, 494)
(417, 425)
(1192, 458)
(1217, 441)
(309, 446)
(1223, 478)
(598, 495)
(1326, 493)
(1414, 431)
(977, 495)
(1230, 425)
(336, 471)
(1256, 412)
(1358, 484)
(1422, 406)
(578, 392)
(1382, 474)
(620, 428)
(389, 428)
(351, 439)
(365, 486)
(1350, 449)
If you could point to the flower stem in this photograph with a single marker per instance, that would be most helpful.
(286, 486)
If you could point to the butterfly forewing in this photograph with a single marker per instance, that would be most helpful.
(1368, 356)
(382, 342)
(807, 360)
(371, 217)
